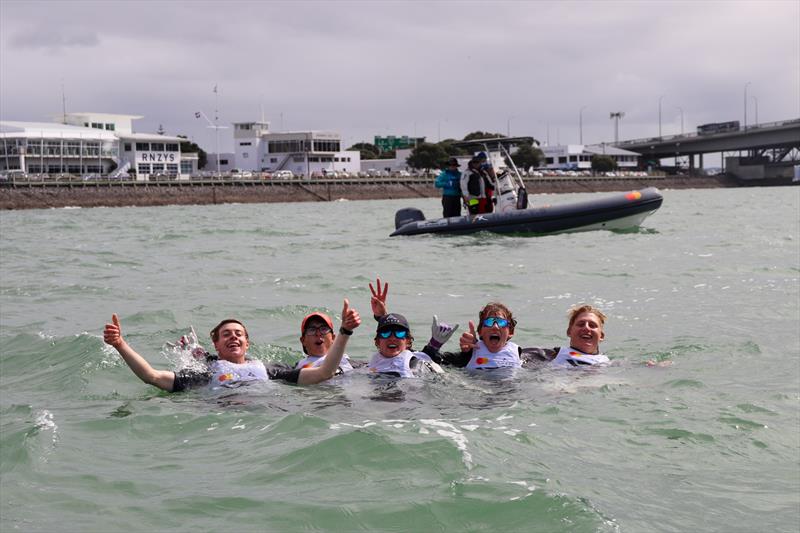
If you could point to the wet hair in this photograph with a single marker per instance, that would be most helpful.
(576, 310)
(215, 332)
(493, 308)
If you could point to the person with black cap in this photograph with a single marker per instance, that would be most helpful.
(393, 339)
(450, 182)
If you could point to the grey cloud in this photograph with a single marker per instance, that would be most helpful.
(53, 39)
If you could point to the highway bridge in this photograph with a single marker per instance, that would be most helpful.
(770, 144)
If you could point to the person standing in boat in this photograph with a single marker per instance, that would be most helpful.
(489, 180)
(450, 182)
(473, 189)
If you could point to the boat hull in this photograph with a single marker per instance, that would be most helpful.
(615, 212)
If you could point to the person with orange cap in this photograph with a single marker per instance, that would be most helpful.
(317, 337)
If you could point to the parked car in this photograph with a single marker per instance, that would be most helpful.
(283, 174)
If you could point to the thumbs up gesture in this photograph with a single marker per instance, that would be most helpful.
(112, 333)
(469, 339)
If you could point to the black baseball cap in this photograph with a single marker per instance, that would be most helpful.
(393, 319)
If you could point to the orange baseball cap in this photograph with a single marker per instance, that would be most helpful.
(325, 318)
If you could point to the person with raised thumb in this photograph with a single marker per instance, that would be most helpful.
(231, 366)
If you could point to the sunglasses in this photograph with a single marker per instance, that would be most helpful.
(398, 333)
(490, 321)
(313, 330)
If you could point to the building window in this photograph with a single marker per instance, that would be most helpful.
(142, 147)
(144, 168)
(326, 146)
(245, 143)
(186, 167)
(273, 159)
(562, 159)
(97, 125)
(245, 155)
(110, 127)
(172, 170)
(172, 147)
(156, 147)
(548, 160)
(223, 161)
(85, 124)
(127, 147)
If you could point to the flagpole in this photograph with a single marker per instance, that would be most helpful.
(216, 125)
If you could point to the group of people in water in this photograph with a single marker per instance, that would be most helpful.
(474, 187)
(486, 347)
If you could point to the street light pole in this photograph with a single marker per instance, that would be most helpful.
(580, 124)
(659, 115)
(755, 101)
(616, 115)
(508, 127)
(745, 104)
(681, 110)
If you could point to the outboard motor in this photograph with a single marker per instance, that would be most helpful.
(407, 215)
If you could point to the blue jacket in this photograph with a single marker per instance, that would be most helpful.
(450, 182)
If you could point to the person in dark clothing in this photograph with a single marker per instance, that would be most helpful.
(450, 183)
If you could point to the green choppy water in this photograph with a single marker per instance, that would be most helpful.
(711, 443)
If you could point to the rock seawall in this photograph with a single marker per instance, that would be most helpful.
(45, 195)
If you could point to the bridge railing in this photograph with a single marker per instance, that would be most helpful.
(667, 138)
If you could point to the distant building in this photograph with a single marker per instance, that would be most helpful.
(579, 156)
(302, 152)
(91, 143)
(389, 143)
(226, 162)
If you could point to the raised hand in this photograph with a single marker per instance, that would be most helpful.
(440, 333)
(112, 333)
(350, 317)
(378, 300)
(469, 339)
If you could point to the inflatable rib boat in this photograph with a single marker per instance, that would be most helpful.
(615, 212)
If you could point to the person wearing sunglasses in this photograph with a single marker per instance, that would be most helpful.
(395, 356)
(231, 367)
(316, 337)
(489, 347)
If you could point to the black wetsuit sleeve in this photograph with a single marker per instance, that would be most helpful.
(284, 373)
(459, 359)
(535, 355)
(187, 379)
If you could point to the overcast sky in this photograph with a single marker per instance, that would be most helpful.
(430, 68)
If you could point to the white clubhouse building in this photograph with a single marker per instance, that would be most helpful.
(579, 156)
(91, 143)
(302, 152)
